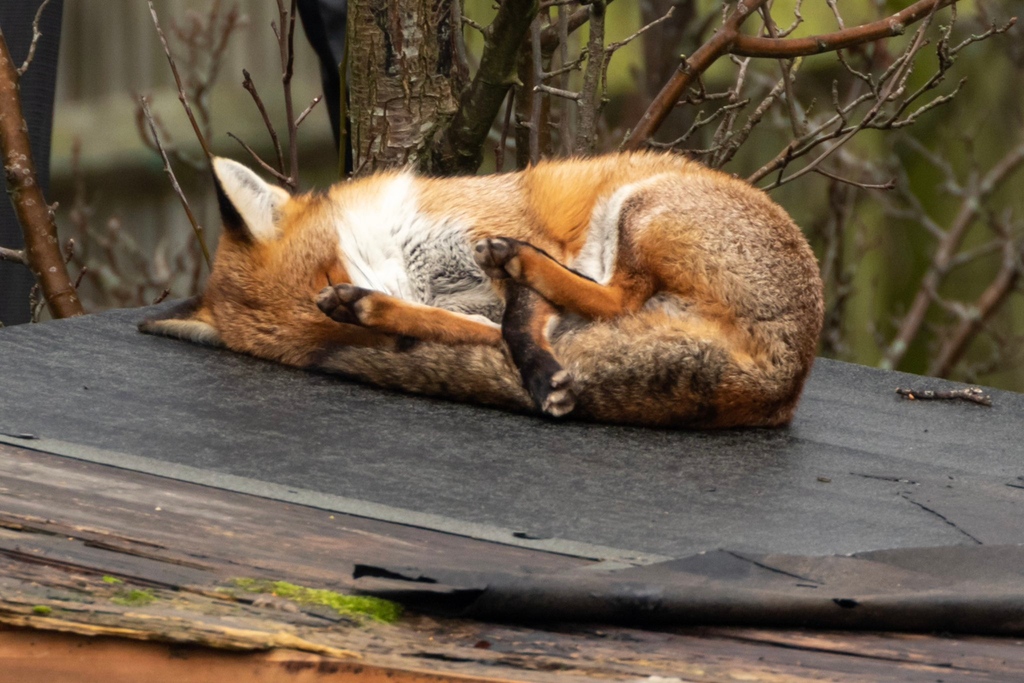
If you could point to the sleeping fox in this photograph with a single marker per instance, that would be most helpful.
(639, 288)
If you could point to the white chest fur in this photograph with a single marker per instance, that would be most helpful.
(388, 245)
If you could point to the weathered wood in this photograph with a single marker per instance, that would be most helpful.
(76, 538)
(146, 516)
(33, 656)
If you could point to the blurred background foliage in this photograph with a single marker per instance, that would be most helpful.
(136, 242)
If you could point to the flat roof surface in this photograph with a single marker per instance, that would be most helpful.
(742, 526)
(859, 469)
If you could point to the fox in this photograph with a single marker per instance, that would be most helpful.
(638, 288)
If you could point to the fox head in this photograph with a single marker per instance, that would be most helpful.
(276, 252)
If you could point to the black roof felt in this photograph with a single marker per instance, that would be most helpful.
(860, 469)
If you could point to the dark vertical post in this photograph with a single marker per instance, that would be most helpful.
(325, 23)
(37, 89)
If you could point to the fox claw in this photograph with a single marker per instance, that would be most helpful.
(498, 257)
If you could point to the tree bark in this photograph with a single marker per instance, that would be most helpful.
(42, 248)
(402, 59)
(36, 89)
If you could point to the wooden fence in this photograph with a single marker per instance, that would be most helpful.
(137, 239)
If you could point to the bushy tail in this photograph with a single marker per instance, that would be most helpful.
(644, 369)
(652, 369)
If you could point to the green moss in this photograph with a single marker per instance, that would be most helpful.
(112, 580)
(41, 610)
(136, 597)
(347, 605)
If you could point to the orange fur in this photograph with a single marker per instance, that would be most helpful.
(708, 316)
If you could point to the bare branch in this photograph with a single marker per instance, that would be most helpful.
(558, 92)
(177, 80)
(460, 149)
(42, 249)
(590, 100)
(473, 24)
(970, 394)
(788, 67)
(700, 121)
(13, 256)
(980, 312)
(536, 103)
(280, 177)
(728, 40)
(305, 112)
(856, 183)
(36, 35)
(895, 25)
(566, 66)
(499, 150)
(971, 204)
(287, 42)
(893, 89)
(689, 69)
(551, 35)
(251, 88)
(196, 228)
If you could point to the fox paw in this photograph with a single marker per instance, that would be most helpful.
(343, 303)
(561, 399)
(498, 257)
(551, 389)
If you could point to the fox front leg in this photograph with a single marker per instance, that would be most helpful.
(346, 303)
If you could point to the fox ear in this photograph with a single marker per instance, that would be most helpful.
(187, 320)
(249, 207)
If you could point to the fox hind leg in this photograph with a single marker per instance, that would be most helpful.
(502, 258)
(524, 329)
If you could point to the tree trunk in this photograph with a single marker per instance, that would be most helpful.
(405, 79)
(36, 88)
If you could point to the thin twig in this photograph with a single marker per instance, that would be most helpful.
(286, 43)
(856, 183)
(689, 69)
(729, 40)
(972, 203)
(558, 92)
(536, 103)
(978, 314)
(895, 25)
(251, 88)
(618, 45)
(196, 228)
(36, 35)
(282, 178)
(894, 88)
(970, 394)
(565, 122)
(305, 112)
(13, 256)
(499, 150)
(181, 89)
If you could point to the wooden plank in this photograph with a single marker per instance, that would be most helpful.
(75, 538)
(146, 516)
(41, 657)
